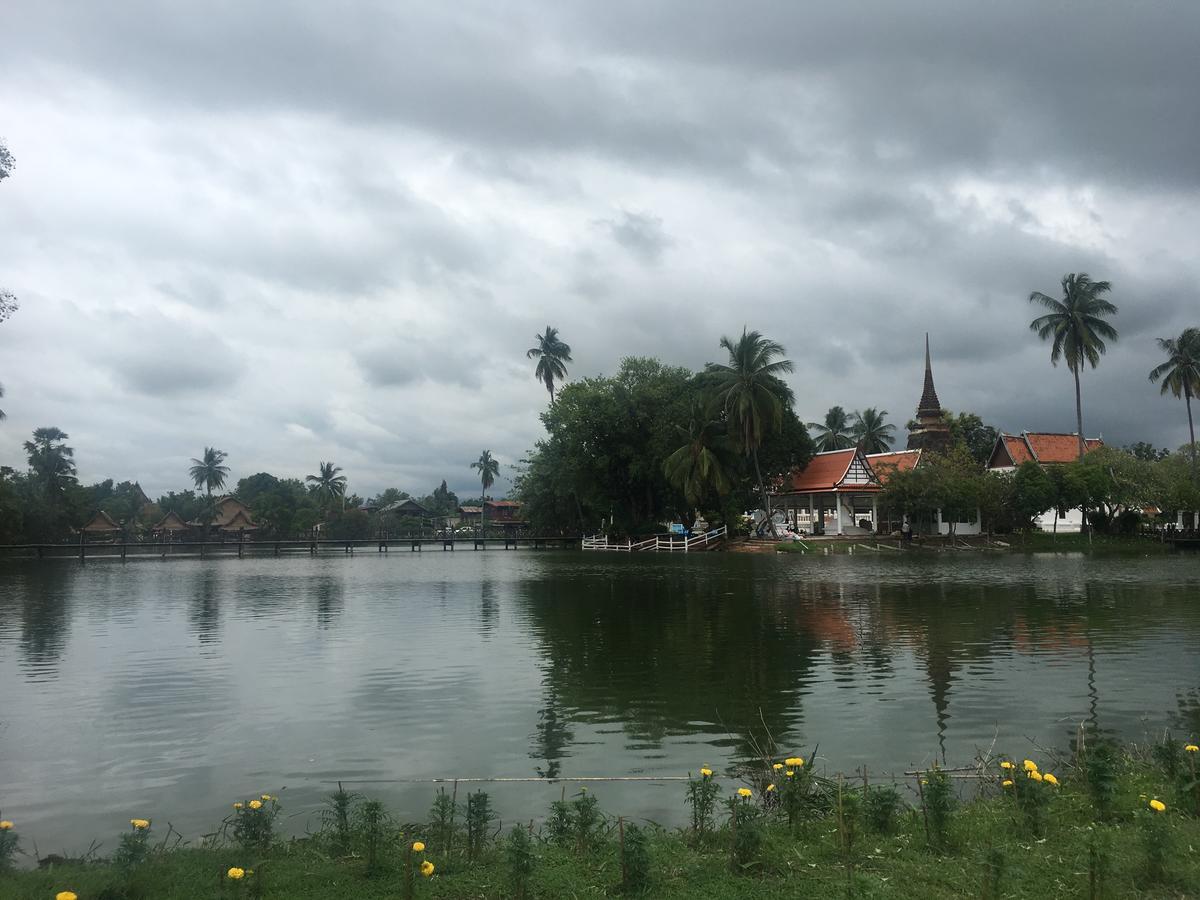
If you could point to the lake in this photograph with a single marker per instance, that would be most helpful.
(169, 689)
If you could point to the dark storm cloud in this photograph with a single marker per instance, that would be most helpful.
(348, 224)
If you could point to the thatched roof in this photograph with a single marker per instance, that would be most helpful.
(101, 523)
(171, 522)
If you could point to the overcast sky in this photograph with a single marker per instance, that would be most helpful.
(313, 231)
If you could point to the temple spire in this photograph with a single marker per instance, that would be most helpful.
(929, 398)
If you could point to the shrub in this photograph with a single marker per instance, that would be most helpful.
(701, 797)
(479, 817)
(635, 860)
(9, 843)
(374, 830)
(1156, 836)
(335, 818)
(560, 827)
(254, 823)
(937, 795)
(442, 817)
(587, 820)
(745, 831)
(880, 808)
(133, 846)
(1100, 771)
(519, 851)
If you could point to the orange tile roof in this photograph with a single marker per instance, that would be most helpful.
(1059, 448)
(1018, 451)
(885, 464)
(823, 472)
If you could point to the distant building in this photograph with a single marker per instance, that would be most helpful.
(100, 525)
(168, 527)
(406, 508)
(232, 515)
(841, 482)
(499, 512)
(1046, 448)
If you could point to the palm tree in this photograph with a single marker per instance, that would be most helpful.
(208, 473)
(1077, 328)
(489, 468)
(1180, 375)
(699, 463)
(870, 432)
(836, 432)
(551, 354)
(329, 483)
(52, 461)
(2, 415)
(752, 395)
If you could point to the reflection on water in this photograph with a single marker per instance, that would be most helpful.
(174, 686)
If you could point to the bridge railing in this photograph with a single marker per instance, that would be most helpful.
(669, 543)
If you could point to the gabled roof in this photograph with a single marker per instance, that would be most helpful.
(407, 505)
(470, 510)
(1039, 446)
(826, 471)
(500, 504)
(172, 521)
(101, 522)
(239, 521)
(884, 464)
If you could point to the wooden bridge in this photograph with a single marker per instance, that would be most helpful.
(659, 543)
(203, 549)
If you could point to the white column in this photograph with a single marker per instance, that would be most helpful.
(837, 509)
(875, 513)
(812, 515)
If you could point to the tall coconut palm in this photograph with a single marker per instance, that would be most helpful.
(489, 468)
(835, 433)
(2, 414)
(700, 463)
(1180, 375)
(871, 433)
(208, 472)
(328, 483)
(51, 461)
(551, 354)
(1075, 325)
(751, 392)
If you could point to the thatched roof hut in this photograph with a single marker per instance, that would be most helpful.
(101, 523)
(172, 521)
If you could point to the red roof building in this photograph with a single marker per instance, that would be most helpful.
(1043, 447)
(884, 464)
(839, 480)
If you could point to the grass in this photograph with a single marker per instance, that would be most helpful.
(989, 852)
(1034, 542)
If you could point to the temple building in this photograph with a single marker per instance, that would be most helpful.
(930, 431)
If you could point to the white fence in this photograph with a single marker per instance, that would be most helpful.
(670, 543)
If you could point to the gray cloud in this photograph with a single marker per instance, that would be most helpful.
(305, 235)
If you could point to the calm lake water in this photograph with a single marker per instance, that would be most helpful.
(169, 689)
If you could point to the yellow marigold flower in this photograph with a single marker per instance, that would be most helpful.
(1158, 806)
(427, 868)
(266, 797)
(1030, 765)
(1050, 779)
(1007, 782)
(777, 766)
(5, 825)
(65, 895)
(789, 773)
(1192, 748)
(744, 792)
(140, 824)
(794, 761)
(418, 846)
(237, 806)
(256, 804)
(770, 787)
(1007, 765)
(1035, 775)
(706, 772)
(236, 874)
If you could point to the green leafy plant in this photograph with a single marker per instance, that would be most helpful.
(745, 831)
(702, 797)
(9, 844)
(880, 807)
(133, 846)
(1099, 864)
(635, 859)
(1157, 841)
(849, 813)
(993, 872)
(442, 824)
(1099, 765)
(253, 823)
(587, 820)
(518, 850)
(938, 800)
(336, 816)
(479, 818)
(374, 830)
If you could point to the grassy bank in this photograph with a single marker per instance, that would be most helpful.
(1091, 832)
(1035, 542)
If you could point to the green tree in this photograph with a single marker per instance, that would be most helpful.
(488, 468)
(1033, 493)
(752, 395)
(3, 416)
(1146, 451)
(968, 429)
(51, 460)
(700, 465)
(1180, 375)
(7, 163)
(209, 472)
(552, 355)
(1070, 490)
(871, 432)
(1076, 327)
(835, 433)
(328, 484)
